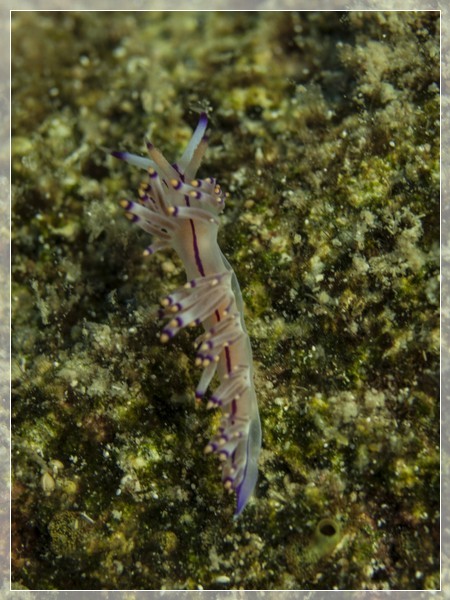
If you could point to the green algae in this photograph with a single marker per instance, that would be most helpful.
(324, 129)
(69, 532)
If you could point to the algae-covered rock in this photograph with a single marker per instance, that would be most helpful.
(324, 129)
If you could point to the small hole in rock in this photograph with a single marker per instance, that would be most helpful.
(328, 529)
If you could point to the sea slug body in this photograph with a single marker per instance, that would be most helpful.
(181, 212)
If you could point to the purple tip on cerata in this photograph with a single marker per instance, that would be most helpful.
(131, 217)
(126, 204)
(203, 119)
(118, 154)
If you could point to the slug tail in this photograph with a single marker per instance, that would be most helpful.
(245, 489)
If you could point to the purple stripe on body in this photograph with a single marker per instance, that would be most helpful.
(178, 170)
(198, 260)
(228, 359)
(233, 407)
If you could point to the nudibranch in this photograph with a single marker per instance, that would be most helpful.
(181, 212)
